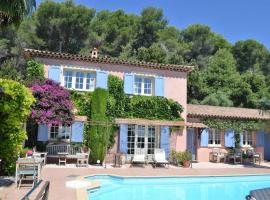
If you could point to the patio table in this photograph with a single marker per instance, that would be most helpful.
(29, 162)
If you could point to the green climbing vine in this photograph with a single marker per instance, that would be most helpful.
(235, 124)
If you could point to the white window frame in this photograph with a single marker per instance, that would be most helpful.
(134, 146)
(143, 85)
(74, 71)
(60, 129)
(246, 139)
(214, 133)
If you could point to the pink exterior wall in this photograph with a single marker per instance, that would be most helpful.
(175, 86)
(175, 83)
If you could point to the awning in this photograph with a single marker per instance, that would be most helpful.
(149, 122)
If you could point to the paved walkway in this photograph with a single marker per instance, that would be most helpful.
(59, 175)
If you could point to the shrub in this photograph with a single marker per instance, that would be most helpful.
(34, 72)
(53, 104)
(98, 133)
(178, 158)
(15, 103)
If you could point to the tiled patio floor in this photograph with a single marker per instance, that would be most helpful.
(59, 175)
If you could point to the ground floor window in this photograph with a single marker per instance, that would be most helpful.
(214, 137)
(59, 132)
(141, 137)
(247, 138)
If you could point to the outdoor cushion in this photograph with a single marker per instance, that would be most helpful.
(261, 194)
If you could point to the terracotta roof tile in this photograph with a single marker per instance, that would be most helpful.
(106, 60)
(226, 112)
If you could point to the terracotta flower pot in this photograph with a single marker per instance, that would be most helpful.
(186, 164)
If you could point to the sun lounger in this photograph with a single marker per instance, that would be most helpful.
(139, 157)
(160, 158)
(260, 194)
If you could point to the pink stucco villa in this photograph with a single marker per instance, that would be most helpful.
(85, 73)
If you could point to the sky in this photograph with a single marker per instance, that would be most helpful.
(234, 19)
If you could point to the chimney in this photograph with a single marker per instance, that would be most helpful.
(94, 53)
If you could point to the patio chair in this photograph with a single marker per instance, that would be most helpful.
(254, 155)
(217, 156)
(139, 157)
(27, 172)
(236, 156)
(160, 158)
(83, 157)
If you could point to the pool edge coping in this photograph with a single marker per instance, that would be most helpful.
(82, 193)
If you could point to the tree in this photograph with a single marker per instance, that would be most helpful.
(34, 72)
(217, 99)
(64, 26)
(250, 53)
(202, 43)
(8, 71)
(152, 20)
(15, 103)
(221, 73)
(98, 134)
(53, 104)
(13, 11)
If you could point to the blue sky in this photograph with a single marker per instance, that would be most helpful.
(234, 19)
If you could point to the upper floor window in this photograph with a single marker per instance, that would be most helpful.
(68, 79)
(247, 138)
(214, 137)
(79, 80)
(60, 132)
(143, 85)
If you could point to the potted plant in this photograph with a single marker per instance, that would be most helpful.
(186, 158)
(245, 158)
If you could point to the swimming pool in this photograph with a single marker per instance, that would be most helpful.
(176, 188)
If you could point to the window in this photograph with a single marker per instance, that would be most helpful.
(90, 81)
(79, 80)
(54, 131)
(151, 140)
(141, 137)
(68, 79)
(247, 138)
(60, 132)
(214, 137)
(131, 139)
(143, 85)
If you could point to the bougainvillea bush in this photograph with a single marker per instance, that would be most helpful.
(53, 104)
(15, 104)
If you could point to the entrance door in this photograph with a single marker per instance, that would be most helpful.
(191, 142)
(267, 146)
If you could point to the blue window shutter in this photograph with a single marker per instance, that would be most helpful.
(123, 148)
(241, 139)
(204, 137)
(159, 86)
(54, 73)
(165, 140)
(102, 80)
(77, 129)
(43, 132)
(229, 138)
(128, 83)
(259, 139)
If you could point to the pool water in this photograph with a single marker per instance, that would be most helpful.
(176, 188)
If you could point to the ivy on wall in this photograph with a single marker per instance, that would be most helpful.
(237, 125)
